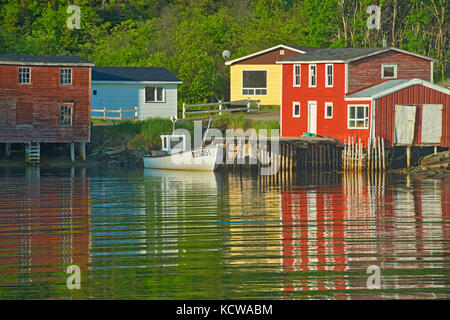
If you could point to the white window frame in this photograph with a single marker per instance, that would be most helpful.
(29, 77)
(299, 75)
(294, 115)
(254, 89)
(61, 77)
(310, 76)
(389, 65)
(163, 95)
(366, 116)
(327, 75)
(328, 104)
(65, 118)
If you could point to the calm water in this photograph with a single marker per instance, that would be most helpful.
(146, 234)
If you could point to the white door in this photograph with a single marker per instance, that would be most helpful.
(404, 124)
(431, 123)
(312, 117)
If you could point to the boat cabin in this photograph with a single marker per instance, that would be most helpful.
(173, 143)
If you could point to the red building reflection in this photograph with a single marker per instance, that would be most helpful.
(44, 225)
(332, 233)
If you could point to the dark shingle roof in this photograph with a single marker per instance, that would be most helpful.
(43, 60)
(302, 48)
(337, 54)
(133, 74)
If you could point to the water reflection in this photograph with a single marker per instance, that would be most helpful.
(44, 227)
(191, 235)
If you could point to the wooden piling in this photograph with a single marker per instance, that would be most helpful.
(408, 156)
(72, 151)
(383, 154)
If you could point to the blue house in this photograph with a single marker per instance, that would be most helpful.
(152, 91)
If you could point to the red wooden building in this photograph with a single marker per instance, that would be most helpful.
(44, 99)
(364, 92)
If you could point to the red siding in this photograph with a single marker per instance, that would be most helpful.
(414, 95)
(367, 71)
(37, 105)
(335, 127)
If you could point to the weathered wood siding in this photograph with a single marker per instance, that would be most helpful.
(114, 96)
(31, 112)
(416, 95)
(367, 71)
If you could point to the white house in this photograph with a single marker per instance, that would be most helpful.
(152, 90)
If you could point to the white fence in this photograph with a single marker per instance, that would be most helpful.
(220, 105)
(120, 111)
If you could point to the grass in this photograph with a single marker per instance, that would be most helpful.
(145, 134)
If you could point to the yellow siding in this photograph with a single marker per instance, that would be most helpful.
(273, 83)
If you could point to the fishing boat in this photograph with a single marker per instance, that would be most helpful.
(175, 156)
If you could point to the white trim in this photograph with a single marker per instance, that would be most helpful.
(18, 73)
(348, 116)
(326, 75)
(281, 102)
(308, 115)
(372, 125)
(242, 83)
(293, 109)
(228, 63)
(383, 65)
(156, 95)
(400, 87)
(71, 76)
(346, 78)
(309, 75)
(57, 64)
(431, 76)
(311, 62)
(300, 75)
(327, 104)
(134, 82)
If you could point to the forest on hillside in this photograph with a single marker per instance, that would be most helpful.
(188, 36)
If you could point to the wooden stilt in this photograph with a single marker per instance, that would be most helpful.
(383, 154)
(72, 151)
(379, 154)
(408, 156)
(8, 150)
(368, 154)
(83, 151)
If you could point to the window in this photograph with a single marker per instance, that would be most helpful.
(358, 117)
(328, 110)
(296, 109)
(94, 92)
(254, 83)
(66, 76)
(66, 116)
(24, 75)
(312, 75)
(389, 71)
(297, 70)
(281, 52)
(329, 75)
(154, 94)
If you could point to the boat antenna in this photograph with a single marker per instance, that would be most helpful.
(173, 119)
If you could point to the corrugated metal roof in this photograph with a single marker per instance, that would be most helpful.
(22, 59)
(378, 88)
(133, 74)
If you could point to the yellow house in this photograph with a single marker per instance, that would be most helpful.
(257, 76)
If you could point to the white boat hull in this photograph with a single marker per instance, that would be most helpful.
(195, 160)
